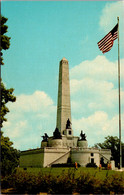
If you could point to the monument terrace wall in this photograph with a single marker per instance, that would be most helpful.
(85, 155)
(55, 155)
(32, 158)
(44, 157)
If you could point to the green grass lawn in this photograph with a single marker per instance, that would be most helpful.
(62, 171)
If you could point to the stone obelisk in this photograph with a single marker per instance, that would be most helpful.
(64, 107)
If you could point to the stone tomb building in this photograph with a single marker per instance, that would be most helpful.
(63, 144)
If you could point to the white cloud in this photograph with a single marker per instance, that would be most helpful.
(94, 121)
(94, 86)
(18, 128)
(36, 102)
(29, 118)
(100, 68)
(97, 126)
(90, 95)
(109, 15)
(94, 98)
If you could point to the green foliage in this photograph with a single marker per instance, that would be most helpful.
(6, 96)
(102, 163)
(68, 164)
(9, 156)
(64, 165)
(91, 165)
(5, 40)
(112, 143)
(113, 183)
(85, 183)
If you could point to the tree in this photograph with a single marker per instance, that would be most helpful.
(112, 143)
(5, 40)
(9, 156)
(6, 96)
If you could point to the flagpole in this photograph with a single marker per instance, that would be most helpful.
(119, 97)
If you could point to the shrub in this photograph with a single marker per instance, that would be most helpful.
(69, 160)
(113, 183)
(88, 184)
(65, 165)
(6, 182)
(91, 165)
(25, 182)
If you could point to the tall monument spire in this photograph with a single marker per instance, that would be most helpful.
(64, 107)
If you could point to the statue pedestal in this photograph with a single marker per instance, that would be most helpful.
(56, 143)
(43, 144)
(68, 132)
(82, 143)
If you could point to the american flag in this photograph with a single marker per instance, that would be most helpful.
(106, 43)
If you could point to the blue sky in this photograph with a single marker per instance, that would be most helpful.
(42, 33)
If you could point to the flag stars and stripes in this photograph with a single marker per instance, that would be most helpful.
(106, 43)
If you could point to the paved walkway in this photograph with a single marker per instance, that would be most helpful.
(122, 169)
